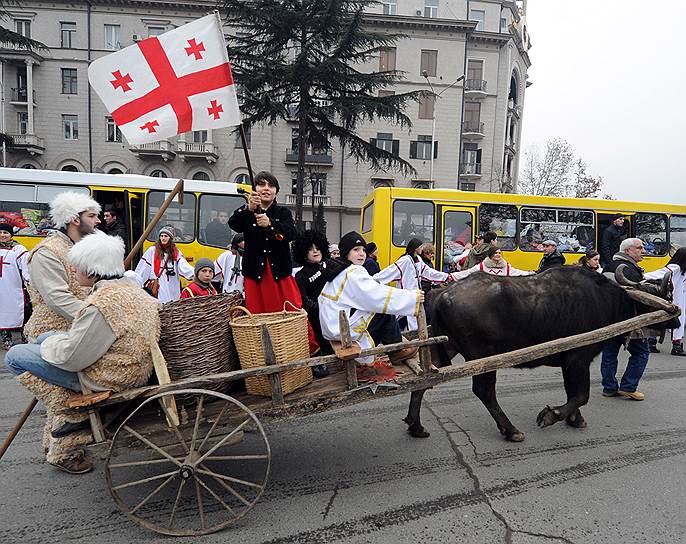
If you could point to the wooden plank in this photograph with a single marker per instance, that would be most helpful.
(90, 399)
(93, 416)
(422, 333)
(347, 344)
(162, 373)
(270, 360)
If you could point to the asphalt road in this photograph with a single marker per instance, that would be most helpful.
(354, 475)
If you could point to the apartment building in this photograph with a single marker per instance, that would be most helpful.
(466, 137)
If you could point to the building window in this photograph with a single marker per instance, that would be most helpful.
(112, 37)
(115, 171)
(68, 35)
(69, 81)
(475, 70)
(384, 94)
(29, 166)
(70, 123)
(23, 27)
(199, 136)
(314, 184)
(387, 59)
(202, 176)
(503, 24)
(478, 15)
(243, 179)
(468, 186)
(426, 107)
(471, 159)
(70, 168)
(23, 122)
(156, 30)
(248, 137)
(158, 174)
(318, 144)
(431, 8)
(421, 149)
(385, 141)
(113, 132)
(429, 60)
(472, 117)
(390, 7)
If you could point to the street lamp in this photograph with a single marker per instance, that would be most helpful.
(425, 75)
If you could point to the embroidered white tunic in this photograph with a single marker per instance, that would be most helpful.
(408, 274)
(678, 293)
(355, 289)
(485, 266)
(232, 280)
(170, 286)
(13, 265)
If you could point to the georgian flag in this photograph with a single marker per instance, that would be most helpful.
(169, 84)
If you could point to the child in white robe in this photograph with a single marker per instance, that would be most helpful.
(350, 288)
(14, 272)
(229, 266)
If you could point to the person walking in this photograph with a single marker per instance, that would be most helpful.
(611, 239)
(229, 264)
(630, 253)
(14, 275)
(552, 258)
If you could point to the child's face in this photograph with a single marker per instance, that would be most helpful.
(5, 236)
(357, 255)
(314, 255)
(205, 275)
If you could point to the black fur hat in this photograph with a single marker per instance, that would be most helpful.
(303, 243)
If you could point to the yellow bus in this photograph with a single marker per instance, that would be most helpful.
(25, 196)
(450, 218)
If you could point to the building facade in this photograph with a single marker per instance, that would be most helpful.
(467, 137)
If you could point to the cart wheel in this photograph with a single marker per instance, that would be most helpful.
(193, 478)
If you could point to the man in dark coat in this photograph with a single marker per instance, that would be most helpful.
(114, 226)
(552, 257)
(371, 263)
(218, 232)
(611, 238)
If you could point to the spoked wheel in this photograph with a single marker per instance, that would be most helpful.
(193, 478)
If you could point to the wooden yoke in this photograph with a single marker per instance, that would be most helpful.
(270, 360)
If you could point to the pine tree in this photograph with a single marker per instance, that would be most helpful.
(305, 60)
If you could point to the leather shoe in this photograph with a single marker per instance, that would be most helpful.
(610, 393)
(633, 395)
(74, 464)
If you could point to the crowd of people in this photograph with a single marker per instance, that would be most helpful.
(90, 324)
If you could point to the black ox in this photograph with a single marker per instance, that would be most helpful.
(485, 315)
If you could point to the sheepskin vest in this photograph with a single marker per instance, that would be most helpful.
(44, 319)
(132, 315)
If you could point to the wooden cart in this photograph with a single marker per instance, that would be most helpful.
(182, 459)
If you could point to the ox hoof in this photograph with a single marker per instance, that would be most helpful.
(516, 436)
(576, 420)
(548, 416)
(417, 431)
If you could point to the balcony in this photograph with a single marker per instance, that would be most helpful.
(198, 150)
(313, 157)
(475, 88)
(29, 143)
(470, 170)
(510, 146)
(18, 97)
(18, 53)
(472, 130)
(162, 149)
(307, 200)
(513, 109)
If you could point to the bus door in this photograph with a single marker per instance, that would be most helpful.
(134, 220)
(454, 229)
(605, 220)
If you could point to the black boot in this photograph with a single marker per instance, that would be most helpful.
(678, 349)
(652, 345)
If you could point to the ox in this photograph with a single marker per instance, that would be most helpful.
(485, 315)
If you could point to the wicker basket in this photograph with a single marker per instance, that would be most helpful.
(196, 338)
(288, 332)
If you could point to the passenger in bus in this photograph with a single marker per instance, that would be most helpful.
(552, 258)
(350, 288)
(591, 261)
(267, 265)
(611, 239)
(480, 251)
(371, 263)
(217, 231)
(493, 264)
(161, 266)
(114, 224)
(334, 252)
(14, 275)
(229, 266)
(408, 271)
(201, 286)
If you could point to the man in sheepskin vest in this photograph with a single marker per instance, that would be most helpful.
(55, 293)
(107, 347)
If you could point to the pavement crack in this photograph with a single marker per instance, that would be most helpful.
(542, 535)
(328, 506)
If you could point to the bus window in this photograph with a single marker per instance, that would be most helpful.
(573, 230)
(215, 211)
(27, 207)
(412, 219)
(677, 231)
(182, 218)
(501, 219)
(652, 229)
(367, 217)
(457, 232)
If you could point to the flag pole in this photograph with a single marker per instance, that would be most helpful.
(244, 142)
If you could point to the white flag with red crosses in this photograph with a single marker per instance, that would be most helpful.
(169, 84)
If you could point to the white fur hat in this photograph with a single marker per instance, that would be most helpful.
(98, 254)
(66, 207)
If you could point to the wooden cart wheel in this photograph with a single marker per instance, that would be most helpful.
(193, 478)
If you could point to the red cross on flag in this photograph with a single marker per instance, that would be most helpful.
(169, 84)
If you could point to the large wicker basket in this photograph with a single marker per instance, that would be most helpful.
(196, 338)
(288, 332)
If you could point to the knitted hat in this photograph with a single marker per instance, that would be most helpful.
(371, 248)
(617, 216)
(168, 231)
(67, 206)
(7, 227)
(204, 263)
(349, 241)
(99, 255)
(333, 247)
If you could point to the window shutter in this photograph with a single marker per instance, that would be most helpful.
(396, 147)
(435, 150)
(413, 150)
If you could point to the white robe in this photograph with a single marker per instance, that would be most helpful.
(483, 266)
(679, 293)
(223, 266)
(355, 288)
(170, 286)
(408, 274)
(13, 266)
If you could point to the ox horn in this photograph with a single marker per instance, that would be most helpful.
(621, 278)
(651, 300)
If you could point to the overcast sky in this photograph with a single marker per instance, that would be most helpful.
(609, 76)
